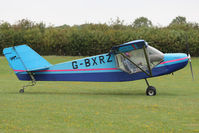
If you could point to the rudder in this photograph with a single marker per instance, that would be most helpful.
(24, 59)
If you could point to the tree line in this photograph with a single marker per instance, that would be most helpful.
(91, 39)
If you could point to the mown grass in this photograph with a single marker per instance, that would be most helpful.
(99, 107)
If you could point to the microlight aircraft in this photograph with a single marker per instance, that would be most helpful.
(126, 62)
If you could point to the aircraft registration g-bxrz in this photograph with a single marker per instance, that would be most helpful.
(127, 62)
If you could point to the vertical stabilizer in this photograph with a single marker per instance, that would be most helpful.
(22, 58)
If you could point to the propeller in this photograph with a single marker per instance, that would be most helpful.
(189, 58)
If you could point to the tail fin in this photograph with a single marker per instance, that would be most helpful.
(23, 59)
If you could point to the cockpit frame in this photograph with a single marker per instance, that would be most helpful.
(147, 50)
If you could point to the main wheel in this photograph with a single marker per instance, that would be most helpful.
(151, 91)
(21, 91)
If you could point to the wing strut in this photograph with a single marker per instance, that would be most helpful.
(135, 64)
(147, 60)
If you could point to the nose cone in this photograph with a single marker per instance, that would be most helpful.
(175, 61)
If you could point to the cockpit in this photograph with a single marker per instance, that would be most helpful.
(143, 59)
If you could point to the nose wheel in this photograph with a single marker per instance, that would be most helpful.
(150, 91)
(21, 91)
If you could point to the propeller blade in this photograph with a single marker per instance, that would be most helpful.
(189, 57)
(191, 70)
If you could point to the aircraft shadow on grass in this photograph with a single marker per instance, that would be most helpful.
(131, 93)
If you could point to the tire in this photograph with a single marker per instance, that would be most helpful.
(151, 91)
(21, 91)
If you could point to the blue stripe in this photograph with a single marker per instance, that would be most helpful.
(104, 76)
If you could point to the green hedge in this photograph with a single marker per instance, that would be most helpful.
(92, 39)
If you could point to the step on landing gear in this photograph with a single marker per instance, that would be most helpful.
(150, 91)
(31, 84)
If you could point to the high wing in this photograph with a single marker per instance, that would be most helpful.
(137, 56)
(129, 46)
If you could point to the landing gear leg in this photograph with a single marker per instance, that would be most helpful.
(25, 86)
(32, 83)
(150, 91)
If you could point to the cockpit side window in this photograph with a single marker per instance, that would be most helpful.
(138, 57)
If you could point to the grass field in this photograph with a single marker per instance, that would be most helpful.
(83, 107)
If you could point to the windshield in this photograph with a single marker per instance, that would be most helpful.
(138, 57)
(155, 56)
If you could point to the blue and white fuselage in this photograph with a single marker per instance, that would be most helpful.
(100, 68)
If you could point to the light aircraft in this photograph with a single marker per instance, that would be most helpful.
(126, 62)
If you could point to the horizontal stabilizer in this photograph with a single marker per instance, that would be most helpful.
(23, 58)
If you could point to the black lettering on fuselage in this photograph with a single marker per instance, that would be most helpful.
(94, 61)
(87, 62)
(74, 64)
(101, 59)
(109, 58)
